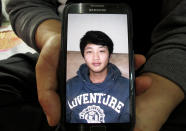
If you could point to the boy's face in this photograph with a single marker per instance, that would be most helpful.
(96, 57)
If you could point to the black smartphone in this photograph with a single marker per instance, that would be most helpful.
(96, 70)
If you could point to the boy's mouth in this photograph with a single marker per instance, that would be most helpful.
(96, 64)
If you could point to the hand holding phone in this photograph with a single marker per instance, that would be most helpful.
(96, 68)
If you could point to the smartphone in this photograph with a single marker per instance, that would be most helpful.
(96, 70)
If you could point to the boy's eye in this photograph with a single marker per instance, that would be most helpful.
(88, 52)
(102, 51)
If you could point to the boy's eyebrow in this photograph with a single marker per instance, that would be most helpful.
(88, 48)
(101, 46)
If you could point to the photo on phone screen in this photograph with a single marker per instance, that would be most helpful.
(97, 76)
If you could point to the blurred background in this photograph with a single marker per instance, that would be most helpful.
(4, 20)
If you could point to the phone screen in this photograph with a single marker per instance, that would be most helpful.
(97, 68)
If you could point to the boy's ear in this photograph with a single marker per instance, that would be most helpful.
(110, 56)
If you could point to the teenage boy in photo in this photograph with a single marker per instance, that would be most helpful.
(98, 94)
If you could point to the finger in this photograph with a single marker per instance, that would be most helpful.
(50, 103)
(139, 60)
(46, 86)
(136, 129)
(47, 96)
(142, 84)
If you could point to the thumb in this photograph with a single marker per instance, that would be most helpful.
(143, 82)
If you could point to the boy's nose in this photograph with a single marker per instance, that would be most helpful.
(96, 55)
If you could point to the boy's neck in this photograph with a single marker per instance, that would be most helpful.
(98, 77)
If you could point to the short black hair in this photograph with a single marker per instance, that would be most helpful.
(98, 38)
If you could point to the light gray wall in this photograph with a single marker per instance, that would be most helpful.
(115, 26)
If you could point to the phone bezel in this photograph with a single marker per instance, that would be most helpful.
(82, 8)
